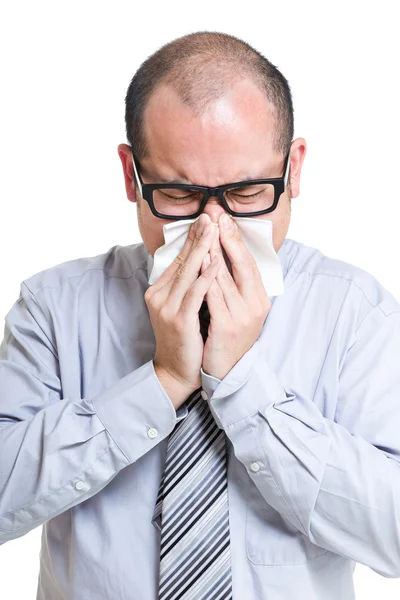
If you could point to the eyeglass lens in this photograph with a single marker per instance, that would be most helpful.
(182, 202)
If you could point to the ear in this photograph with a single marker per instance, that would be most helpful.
(297, 156)
(125, 154)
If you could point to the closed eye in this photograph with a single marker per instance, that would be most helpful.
(169, 194)
(247, 195)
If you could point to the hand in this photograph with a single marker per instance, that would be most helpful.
(238, 305)
(174, 301)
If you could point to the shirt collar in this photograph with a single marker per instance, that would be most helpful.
(150, 263)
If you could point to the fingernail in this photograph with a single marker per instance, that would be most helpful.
(227, 222)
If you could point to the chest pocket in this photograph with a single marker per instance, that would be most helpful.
(273, 541)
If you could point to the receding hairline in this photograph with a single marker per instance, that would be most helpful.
(200, 96)
(201, 67)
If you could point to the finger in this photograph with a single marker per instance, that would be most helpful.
(236, 302)
(244, 268)
(216, 249)
(189, 271)
(232, 297)
(192, 238)
(206, 262)
(195, 295)
(217, 305)
(180, 266)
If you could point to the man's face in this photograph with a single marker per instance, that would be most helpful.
(231, 142)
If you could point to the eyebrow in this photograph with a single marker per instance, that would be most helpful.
(178, 181)
(183, 181)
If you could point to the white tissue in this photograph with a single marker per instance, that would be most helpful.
(256, 234)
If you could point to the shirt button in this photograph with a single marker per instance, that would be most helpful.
(255, 467)
(204, 395)
(79, 485)
(152, 432)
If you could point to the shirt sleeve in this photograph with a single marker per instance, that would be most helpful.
(337, 481)
(56, 452)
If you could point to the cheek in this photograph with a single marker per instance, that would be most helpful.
(151, 229)
(280, 218)
(281, 221)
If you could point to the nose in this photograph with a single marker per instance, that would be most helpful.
(214, 209)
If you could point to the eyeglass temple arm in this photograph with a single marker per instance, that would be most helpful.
(286, 177)
(139, 183)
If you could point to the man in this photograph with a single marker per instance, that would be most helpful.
(256, 456)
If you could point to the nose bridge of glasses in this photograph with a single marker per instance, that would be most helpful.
(213, 202)
(213, 192)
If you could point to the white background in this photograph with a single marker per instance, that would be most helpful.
(65, 68)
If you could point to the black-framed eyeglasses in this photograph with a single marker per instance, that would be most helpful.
(248, 198)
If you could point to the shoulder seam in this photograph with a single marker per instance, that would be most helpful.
(354, 283)
(53, 287)
(55, 353)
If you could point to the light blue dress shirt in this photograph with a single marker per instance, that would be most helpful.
(311, 413)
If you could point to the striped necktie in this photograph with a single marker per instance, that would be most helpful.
(192, 506)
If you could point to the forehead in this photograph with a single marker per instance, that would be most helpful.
(234, 134)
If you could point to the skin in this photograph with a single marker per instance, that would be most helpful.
(231, 141)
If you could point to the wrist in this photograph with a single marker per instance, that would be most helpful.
(176, 391)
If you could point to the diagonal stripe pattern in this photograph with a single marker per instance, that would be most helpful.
(192, 510)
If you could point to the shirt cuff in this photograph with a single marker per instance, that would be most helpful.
(209, 383)
(235, 379)
(137, 412)
(261, 388)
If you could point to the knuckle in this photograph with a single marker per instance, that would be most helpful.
(217, 248)
(150, 298)
(169, 320)
(228, 281)
(230, 332)
(164, 315)
(246, 321)
(188, 296)
(175, 325)
(198, 231)
(192, 233)
(215, 292)
(148, 295)
(259, 315)
(204, 242)
(251, 263)
(181, 272)
(264, 308)
(208, 273)
(199, 234)
(234, 236)
(179, 260)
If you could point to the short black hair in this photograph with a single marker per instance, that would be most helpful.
(200, 66)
